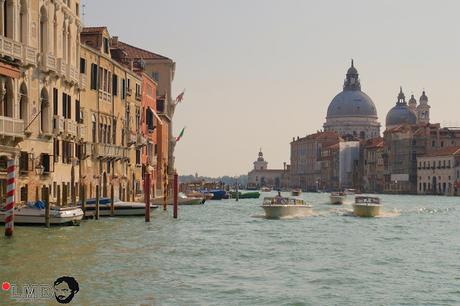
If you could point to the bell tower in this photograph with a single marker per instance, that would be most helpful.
(423, 110)
(260, 163)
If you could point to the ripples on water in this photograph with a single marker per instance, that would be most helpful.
(227, 253)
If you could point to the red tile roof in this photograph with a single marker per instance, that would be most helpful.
(444, 152)
(137, 53)
(374, 143)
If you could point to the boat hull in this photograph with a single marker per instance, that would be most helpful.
(180, 201)
(366, 210)
(63, 216)
(280, 211)
(336, 200)
(120, 209)
(296, 193)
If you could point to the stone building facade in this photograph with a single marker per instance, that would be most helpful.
(438, 172)
(40, 87)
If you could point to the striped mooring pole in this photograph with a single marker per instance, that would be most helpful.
(10, 190)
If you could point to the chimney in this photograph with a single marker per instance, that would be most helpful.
(115, 41)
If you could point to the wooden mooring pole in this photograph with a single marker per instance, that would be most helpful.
(97, 202)
(46, 199)
(176, 190)
(112, 203)
(10, 194)
(83, 200)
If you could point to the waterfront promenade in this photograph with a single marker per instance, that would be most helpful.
(226, 253)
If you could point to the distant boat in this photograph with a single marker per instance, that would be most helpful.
(265, 189)
(337, 198)
(245, 195)
(217, 194)
(34, 213)
(296, 192)
(366, 206)
(182, 199)
(278, 207)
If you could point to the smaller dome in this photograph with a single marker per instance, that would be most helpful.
(401, 113)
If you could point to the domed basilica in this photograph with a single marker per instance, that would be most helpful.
(403, 113)
(352, 112)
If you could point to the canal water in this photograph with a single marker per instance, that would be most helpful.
(226, 253)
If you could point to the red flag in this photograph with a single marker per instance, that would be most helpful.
(180, 97)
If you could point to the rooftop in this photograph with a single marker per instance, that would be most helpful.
(455, 150)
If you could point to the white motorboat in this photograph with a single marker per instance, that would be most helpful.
(278, 207)
(265, 189)
(34, 213)
(366, 206)
(337, 198)
(296, 192)
(120, 208)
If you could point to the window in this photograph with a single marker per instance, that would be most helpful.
(55, 101)
(138, 156)
(77, 112)
(114, 131)
(94, 128)
(56, 150)
(94, 76)
(115, 85)
(149, 118)
(155, 76)
(25, 162)
(123, 89)
(45, 162)
(82, 65)
(77, 9)
(106, 45)
(66, 106)
(138, 90)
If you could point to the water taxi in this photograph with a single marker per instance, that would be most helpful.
(337, 198)
(296, 192)
(182, 199)
(278, 207)
(366, 206)
(265, 189)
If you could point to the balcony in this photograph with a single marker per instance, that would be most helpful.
(83, 82)
(70, 128)
(141, 140)
(81, 131)
(61, 67)
(107, 151)
(29, 56)
(104, 96)
(58, 125)
(11, 127)
(48, 62)
(71, 74)
(11, 48)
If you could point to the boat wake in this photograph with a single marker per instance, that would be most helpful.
(384, 214)
(426, 210)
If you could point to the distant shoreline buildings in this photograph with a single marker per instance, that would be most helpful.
(414, 156)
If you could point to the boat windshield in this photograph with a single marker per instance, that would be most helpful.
(367, 200)
(282, 200)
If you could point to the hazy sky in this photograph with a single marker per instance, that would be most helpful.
(259, 72)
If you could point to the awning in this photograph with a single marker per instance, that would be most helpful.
(156, 115)
(9, 71)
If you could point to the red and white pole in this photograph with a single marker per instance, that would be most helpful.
(10, 190)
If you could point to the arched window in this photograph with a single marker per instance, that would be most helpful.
(43, 29)
(23, 22)
(8, 18)
(94, 127)
(44, 107)
(23, 104)
(6, 97)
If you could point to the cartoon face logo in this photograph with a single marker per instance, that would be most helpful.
(65, 288)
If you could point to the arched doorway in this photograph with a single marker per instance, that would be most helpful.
(104, 185)
(44, 108)
(6, 97)
(23, 104)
